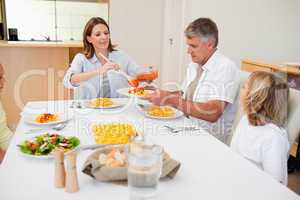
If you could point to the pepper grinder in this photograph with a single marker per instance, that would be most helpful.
(60, 173)
(71, 174)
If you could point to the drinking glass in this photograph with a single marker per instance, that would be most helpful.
(144, 169)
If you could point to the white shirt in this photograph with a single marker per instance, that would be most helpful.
(219, 80)
(5, 132)
(91, 88)
(266, 146)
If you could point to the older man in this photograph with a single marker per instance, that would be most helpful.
(211, 85)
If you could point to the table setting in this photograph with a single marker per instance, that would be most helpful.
(169, 159)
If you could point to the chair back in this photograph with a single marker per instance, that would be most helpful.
(239, 113)
(293, 123)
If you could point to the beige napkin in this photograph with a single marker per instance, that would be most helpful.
(93, 168)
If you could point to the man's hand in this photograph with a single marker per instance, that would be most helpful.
(162, 97)
(209, 111)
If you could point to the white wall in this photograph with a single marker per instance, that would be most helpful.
(266, 30)
(136, 26)
(263, 30)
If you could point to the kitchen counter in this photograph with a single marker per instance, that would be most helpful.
(64, 44)
(34, 71)
(251, 66)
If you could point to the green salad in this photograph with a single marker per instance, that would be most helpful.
(44, 144)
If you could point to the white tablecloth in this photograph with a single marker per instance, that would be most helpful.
(209, 170)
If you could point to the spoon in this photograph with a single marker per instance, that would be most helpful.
(129, 78)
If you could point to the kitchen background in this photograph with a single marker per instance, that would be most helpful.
(150, 31)
(58, 20)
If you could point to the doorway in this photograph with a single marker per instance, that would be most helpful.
(174, 56)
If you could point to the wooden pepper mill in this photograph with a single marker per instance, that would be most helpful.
(71, 174)
(60, 173)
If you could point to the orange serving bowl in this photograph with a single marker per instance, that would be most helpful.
(146, 76)
(134, 82)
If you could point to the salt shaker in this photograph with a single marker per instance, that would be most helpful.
(60, 173)
(71, 174)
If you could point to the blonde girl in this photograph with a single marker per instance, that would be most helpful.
(260, 136)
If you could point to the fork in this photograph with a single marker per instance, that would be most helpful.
(173, 130)
(176, 130)
(58, 127)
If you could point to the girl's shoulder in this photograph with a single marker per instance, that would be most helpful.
(272, 134)
(277, 132)
(268, 130)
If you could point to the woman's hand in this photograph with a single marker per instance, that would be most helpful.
(108, 66)
(84, 76)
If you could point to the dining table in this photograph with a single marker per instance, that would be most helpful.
(209, 169)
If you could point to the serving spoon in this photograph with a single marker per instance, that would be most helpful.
(129, 78)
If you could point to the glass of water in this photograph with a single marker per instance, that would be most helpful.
(144, 169)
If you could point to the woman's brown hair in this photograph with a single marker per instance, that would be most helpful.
(88, 49)
(265, 99)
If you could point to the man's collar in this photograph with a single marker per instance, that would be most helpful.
(209, 62)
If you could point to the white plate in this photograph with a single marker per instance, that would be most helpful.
(178, 113)
(115, 104)
(49, 156)
(124, 91)
(30, 119)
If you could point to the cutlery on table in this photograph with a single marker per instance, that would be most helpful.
(76, 104)
(91, 147)
(143, 106)
(179, 129)
(57, 127)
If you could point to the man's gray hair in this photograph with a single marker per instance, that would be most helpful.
(203, 28)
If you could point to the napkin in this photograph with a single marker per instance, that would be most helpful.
(100, 172)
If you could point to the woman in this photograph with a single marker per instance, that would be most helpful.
(5, 133)
(260, 135)
(92, 71)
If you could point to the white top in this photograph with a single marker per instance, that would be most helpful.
(209, 169)
(266, 146)
(91, 88)
(5, 132)
(219, 80)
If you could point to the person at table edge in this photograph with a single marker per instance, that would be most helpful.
(211, 84)
(95, 75)
(5, 133)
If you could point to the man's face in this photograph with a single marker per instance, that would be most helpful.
(199, 50)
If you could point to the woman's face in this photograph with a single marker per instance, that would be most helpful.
(2, 78)
(99, 37)
(244, 91)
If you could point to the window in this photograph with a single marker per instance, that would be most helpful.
(56, 19)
